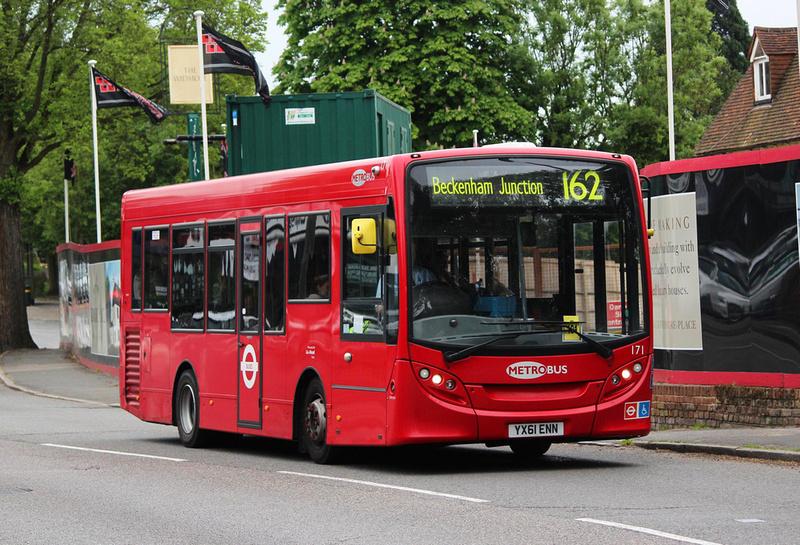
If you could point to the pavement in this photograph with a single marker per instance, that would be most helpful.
(55, 373)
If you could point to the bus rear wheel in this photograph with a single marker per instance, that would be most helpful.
(530, 448)
(187, 411)
(315, 425)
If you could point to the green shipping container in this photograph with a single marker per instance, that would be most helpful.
(301, 130)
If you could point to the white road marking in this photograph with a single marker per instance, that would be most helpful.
(749, 521)
(390, 486)
(650, 531)
(118, 453)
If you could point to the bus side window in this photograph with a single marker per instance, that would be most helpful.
(275, 275)
(363, 312)
(188, 277)
(221, 277)
(310, 258)
(156, 263)
(136, 270)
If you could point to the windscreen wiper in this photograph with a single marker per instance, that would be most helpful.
(570, 327)
(450, 357)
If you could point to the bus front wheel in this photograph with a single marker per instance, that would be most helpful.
(315, 425)
(187, 411)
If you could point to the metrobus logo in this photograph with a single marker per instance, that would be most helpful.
(360, 177)
(529, 370)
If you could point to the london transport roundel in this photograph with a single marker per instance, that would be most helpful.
(248, 366)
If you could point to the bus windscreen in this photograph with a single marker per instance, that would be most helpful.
(545, 253)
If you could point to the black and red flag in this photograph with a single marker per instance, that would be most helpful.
(110, 95)
(225, 55)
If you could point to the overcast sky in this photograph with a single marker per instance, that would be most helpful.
(768, 13)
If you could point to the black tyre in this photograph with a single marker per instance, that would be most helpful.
(314, 423)
(530, 448)
(187, 412)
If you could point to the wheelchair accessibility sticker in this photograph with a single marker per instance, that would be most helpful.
(638, 409)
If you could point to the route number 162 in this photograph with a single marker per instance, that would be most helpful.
(578, 190)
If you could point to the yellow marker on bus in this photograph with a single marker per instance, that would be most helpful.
(568, 336)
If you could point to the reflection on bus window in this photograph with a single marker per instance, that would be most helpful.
(371, 292)
(498, 244)
(275, 275)
(221, 277)
(156, 263)
(188, 277)
(136, 270)
(249, 296)
(310, 256)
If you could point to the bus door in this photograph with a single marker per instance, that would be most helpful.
(277, 423)
(249, 312)
(369, 318)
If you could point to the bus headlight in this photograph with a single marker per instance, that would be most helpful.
(442, 385)
(623, 379)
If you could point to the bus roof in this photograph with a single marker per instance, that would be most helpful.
(318, 183)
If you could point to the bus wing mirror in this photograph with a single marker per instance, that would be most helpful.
(389, 236)
(646, 192)
(364, 239)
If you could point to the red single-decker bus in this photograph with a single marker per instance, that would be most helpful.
(496, 295)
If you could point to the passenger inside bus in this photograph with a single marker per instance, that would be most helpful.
(422, 258)
(322, 287)
(440, 266)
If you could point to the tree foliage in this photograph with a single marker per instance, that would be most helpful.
(640, 120)
(447, 61)
(577, 47)
(576, 73)
(45, 107)
(735, 41)
(571, 73)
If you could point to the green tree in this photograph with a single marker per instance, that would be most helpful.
(640, 119)
(447, 61)
(734, 33)
(578, 52)
(735, 36)
(44, 105)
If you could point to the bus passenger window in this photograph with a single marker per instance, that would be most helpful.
(188, 277)
(363, 311)
(156, 263)
(249, 283)
(275, 275)
(136, 270)
(310, 258)
(221, 277)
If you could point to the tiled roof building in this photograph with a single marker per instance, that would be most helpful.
(763, 111)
